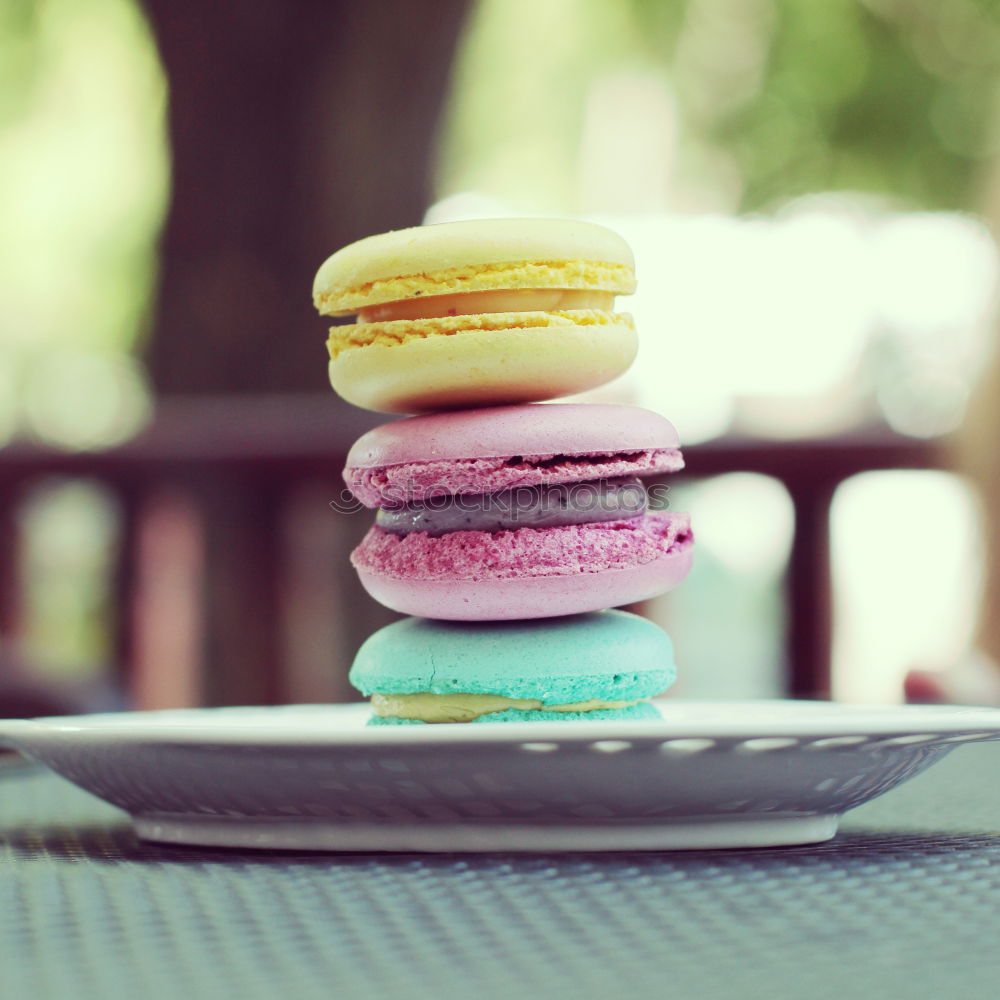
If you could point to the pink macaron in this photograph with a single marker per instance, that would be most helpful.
(512, 512)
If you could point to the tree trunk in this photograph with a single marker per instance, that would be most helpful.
(296, 126)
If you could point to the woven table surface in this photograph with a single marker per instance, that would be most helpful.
(905, 902)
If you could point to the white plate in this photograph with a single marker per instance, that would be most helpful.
(710, 774)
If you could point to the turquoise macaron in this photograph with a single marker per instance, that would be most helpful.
(604, 656)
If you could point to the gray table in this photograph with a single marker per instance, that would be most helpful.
(905, 903)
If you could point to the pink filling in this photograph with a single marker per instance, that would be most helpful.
(526, 552)
(405, 483)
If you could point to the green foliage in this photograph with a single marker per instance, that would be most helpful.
(878, 100)
(897, 98)
(83, 180)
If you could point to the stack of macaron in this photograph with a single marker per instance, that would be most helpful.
(506, 525)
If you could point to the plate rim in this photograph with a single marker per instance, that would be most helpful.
(818, 719)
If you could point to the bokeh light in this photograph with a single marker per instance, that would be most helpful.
(69, 531)
(745, 522)
(728, 618)
(77, 399)
(83, 181)
(906, 576)
(803, 324)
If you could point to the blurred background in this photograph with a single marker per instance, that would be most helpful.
(810, 188)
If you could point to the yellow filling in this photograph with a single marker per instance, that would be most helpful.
(500, 301)
(399, 331)
(429, 707)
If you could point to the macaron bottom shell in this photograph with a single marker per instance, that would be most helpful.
(528, 573)
(644, 710)
(605, 665)
(482, 367)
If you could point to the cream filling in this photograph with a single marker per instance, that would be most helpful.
(476, 303)
(429, 707)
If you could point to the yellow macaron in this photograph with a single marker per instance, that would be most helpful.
(477, 313)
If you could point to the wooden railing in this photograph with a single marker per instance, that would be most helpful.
(232, 583)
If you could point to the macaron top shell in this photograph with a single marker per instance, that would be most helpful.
(366, 273)
(612, 655)
(503, 431)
